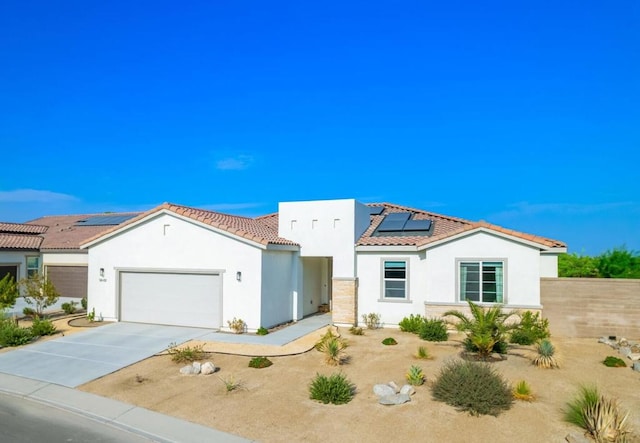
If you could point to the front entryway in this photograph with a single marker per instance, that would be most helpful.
(316, 274)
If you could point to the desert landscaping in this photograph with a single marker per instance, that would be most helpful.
(273, 405)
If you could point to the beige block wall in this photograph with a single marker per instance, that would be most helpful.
(591, 307)
(344, 306)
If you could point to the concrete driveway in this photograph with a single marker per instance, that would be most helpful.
(84, 356)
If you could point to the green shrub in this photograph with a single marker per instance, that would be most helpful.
(415, 376)
(601, 417)
(411, 324)
(69, 308)
(9, 292)
(531, 329)
(260, 362)
(186, 353)
(472, 387)
(522, 391)
(433, 329)
(42, 327)
(262, 331)
(29, 312)
(389, 341)
(372, 320)
(356, 330)
(83, 303)
(423, 353)
(335, 389)
(614, 362)
(13, 335)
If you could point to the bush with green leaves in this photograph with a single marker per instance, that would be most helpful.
(335, 389)
(333, 349)
(433, 329)
(41, 327)
(260, 362)
(530, 329)
(389, 341)
(9, 292)
(415, 376)
(40, 292)
(13, 335)
(522, 391)
(411, 324)
(69, 307)
(423, 353)
(83, 303)
(262, 331)
(185, 353)
(473, 387)
(485, 329)
(600, 416)
(614, 362)
(546, 357)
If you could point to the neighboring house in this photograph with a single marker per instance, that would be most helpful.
(51, 246)
(191, 267)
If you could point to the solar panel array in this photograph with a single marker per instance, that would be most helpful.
(376, 210)
(401, 223)
(104, 220)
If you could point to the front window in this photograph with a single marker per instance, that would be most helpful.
(482, 281)
(33, 266)
(395, 279)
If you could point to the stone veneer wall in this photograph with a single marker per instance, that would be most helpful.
(344, 295)
(591, 307)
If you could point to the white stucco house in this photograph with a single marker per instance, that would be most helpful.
(192, 267)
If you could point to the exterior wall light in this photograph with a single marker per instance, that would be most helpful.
(239, 276)
(101, 272)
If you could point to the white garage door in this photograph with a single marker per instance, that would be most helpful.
(171, 298)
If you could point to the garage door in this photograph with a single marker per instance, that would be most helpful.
(69, 281)
(181, 299)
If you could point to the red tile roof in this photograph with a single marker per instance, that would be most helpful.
(21, 228)
(63, 234)
(443, 227)
(20, 241)
(257, 230)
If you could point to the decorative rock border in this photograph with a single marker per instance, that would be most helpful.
(626, 348)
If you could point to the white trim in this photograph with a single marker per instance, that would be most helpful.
(490, 232)
(480, 261)
(385, 248)
(383, 280)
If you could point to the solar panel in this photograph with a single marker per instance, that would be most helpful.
(394, 222)
(417, 225)
(376, 210)
(104, 220)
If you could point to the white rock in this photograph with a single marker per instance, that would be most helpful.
(633, 357)
(207, 368)
(383, 390)
(187, 370)
(408, 389)
(395, 399)
(196, 367)
(394, 386)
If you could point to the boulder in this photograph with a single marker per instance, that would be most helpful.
(187, 370)
(394, 386)
(408, 389)
(207, 368)
(624, 350)
(196, 367)
(383, 390)
(395, 399)
(623, 342)
(636, 366)
(633, 357)
(577, 438)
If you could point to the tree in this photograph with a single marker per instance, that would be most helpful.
(574, 265)
(619, 263)
(9, 292)
(40, 292)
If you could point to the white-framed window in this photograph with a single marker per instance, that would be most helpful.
(394, 280)
(481, 281)
(33, 266)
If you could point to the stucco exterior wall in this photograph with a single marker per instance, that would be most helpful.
(325, 228)
(277, 295)
(167, 242)
(18, 258)
(549, 265)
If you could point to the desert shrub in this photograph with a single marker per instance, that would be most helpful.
(601, 417)
(29, 312)
(262, 331)
(230, 383)
(531, 329)
(42, 327)
(415, 376)
(40, 292)
(335, 389)
(411, 324)
(485, 329)
(333, 349)
(472, 387)
(546, 355)
(423, 353)
(389, 341)
(237, 325)
(433, 329)
(372, 320)
(13, 335)
(83, 303)
(69, 307)
(614, 362)
(356, 330)
(185, 353)
(9, 292)
(260, 362)
(522, 391)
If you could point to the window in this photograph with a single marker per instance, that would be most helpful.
(395, 279)
(482, 281)
(33, 266)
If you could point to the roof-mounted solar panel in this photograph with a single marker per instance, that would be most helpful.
(104, 220)
(394, 222)
(417, 225)
(376, 210)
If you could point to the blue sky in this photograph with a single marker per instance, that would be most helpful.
(523, 114)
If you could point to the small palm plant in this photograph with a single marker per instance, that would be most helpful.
(415, 376)
(522, 391)
(485, 328)
(546, 355)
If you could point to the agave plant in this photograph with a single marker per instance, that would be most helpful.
(546, 355)
(485, 329)
(600, 416)
(333, 349)
(415, 376)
